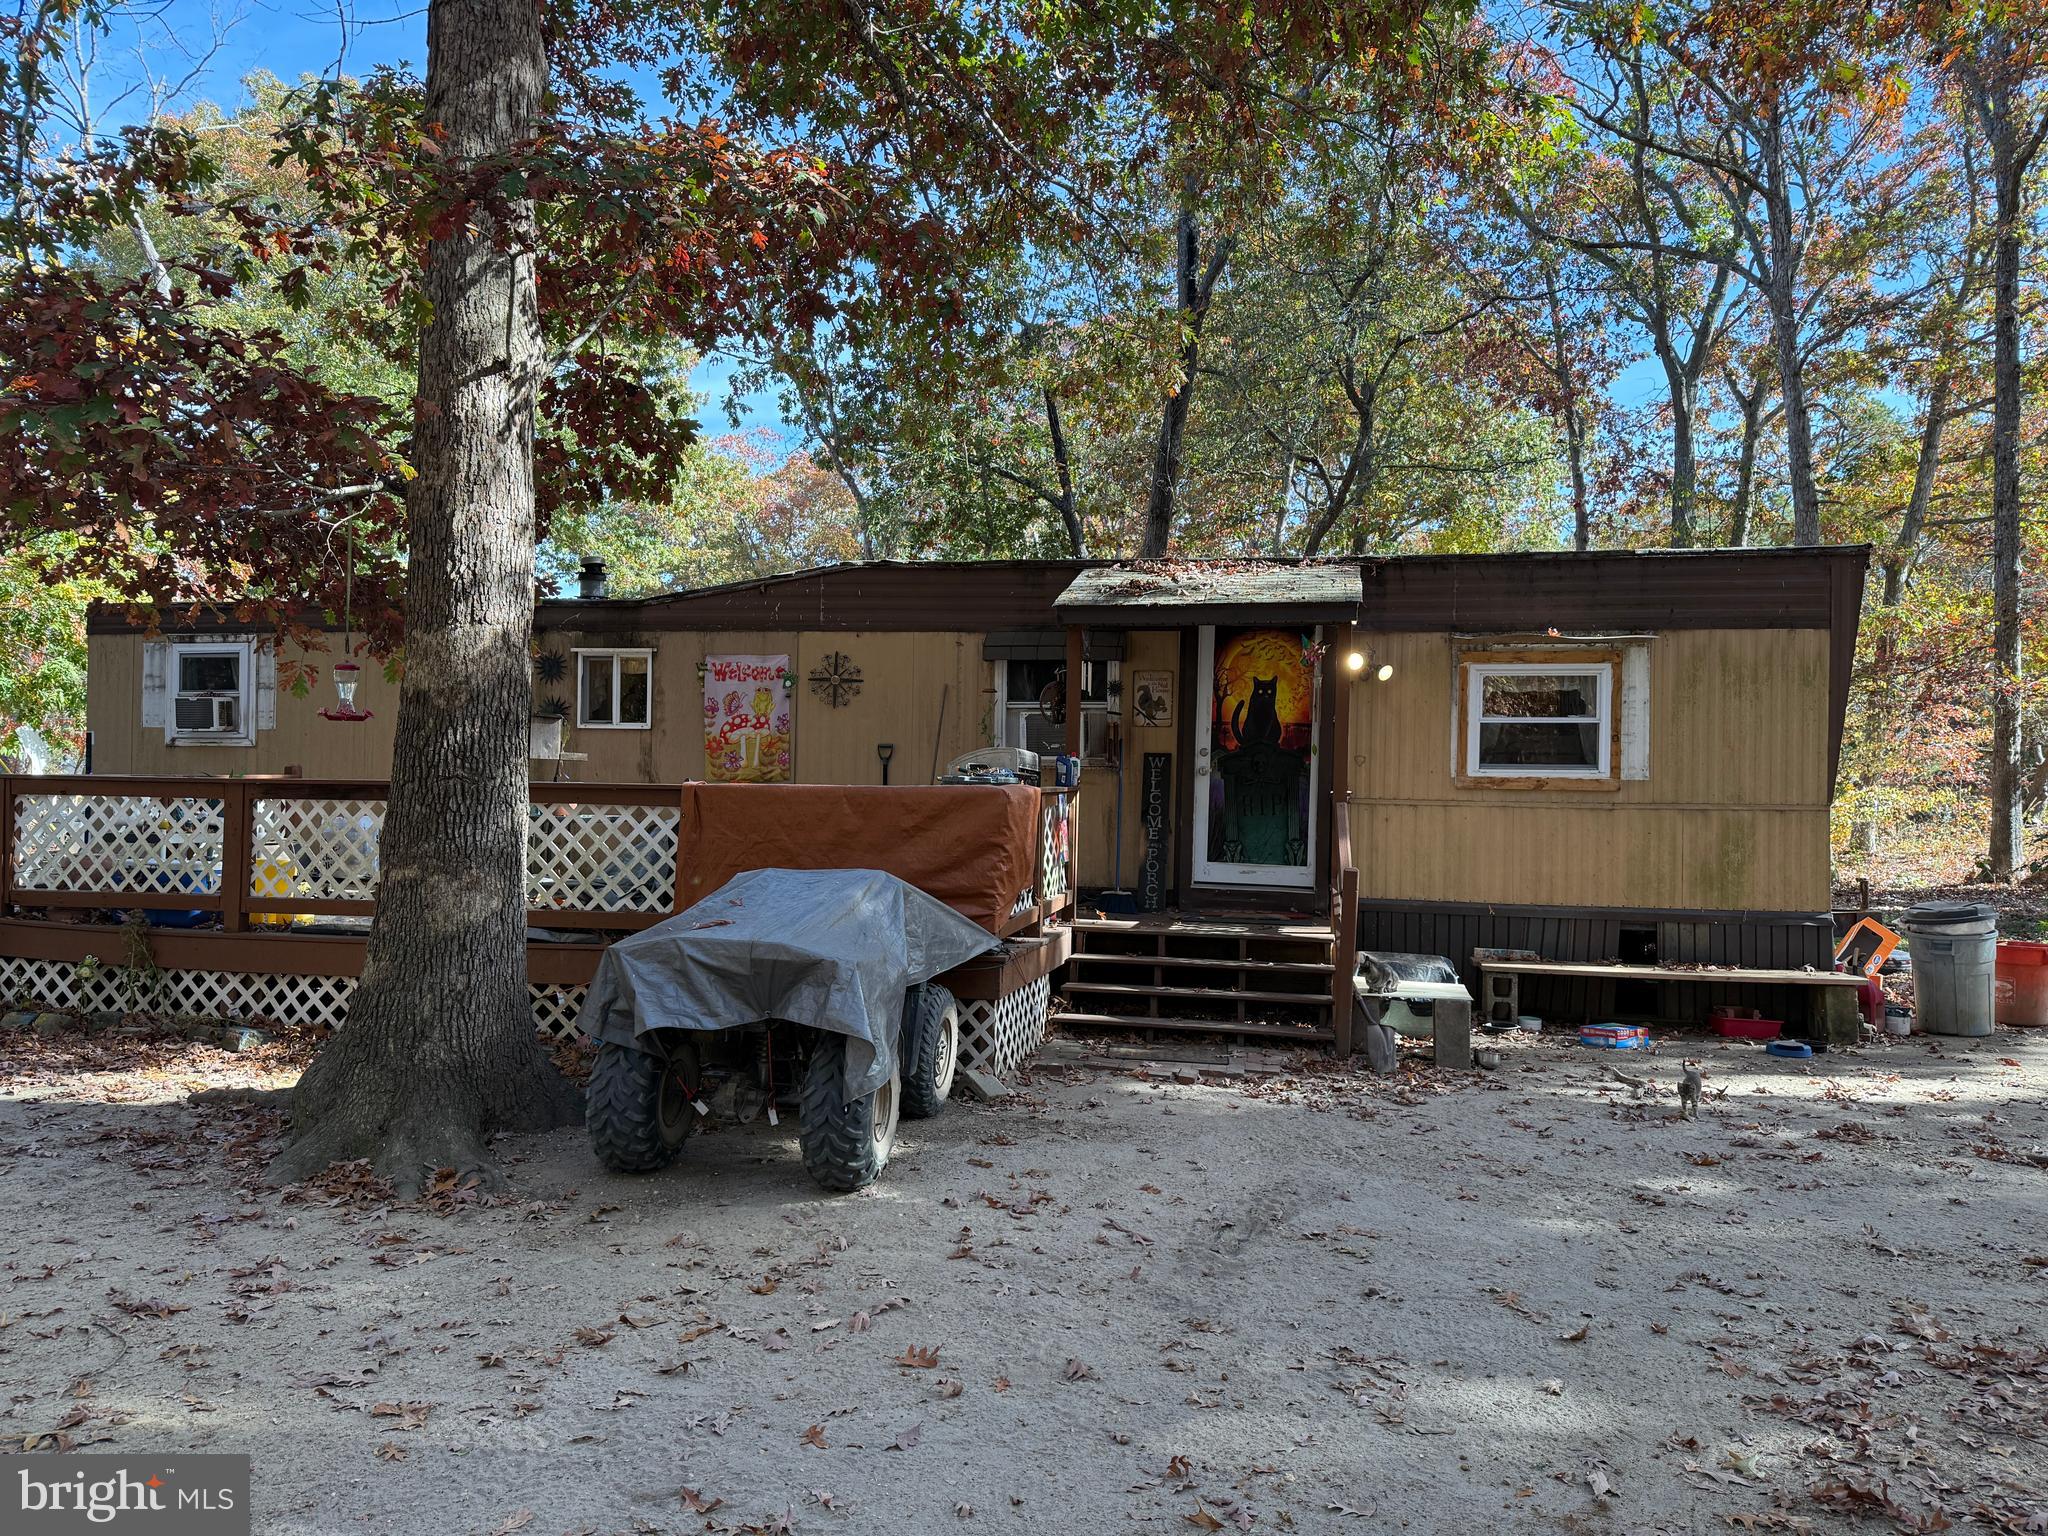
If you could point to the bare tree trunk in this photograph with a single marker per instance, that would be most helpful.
(1069, 506)
(1751, 404)
(1900, 558)
(1194, 287)
(2007, 747)
(1783, 301)
(439, 1049)
(1685, 473)
(1574, 415)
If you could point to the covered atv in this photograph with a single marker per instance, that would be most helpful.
(818, 980)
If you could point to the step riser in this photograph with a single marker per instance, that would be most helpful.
(1180, 1026)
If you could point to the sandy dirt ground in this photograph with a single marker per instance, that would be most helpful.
(1312, 1302)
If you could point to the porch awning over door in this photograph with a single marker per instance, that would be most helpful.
(1165, 593)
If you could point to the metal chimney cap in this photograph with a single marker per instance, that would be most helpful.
(591, 584)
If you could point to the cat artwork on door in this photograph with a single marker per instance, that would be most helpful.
(1254, 785)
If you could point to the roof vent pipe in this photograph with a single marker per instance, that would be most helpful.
(590, 586)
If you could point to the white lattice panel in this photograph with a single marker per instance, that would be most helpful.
(1053, 833)
(555, 1010)
(996, 1037)
(602, 858)
(294, 1000)
(142, 843)
(323, 850)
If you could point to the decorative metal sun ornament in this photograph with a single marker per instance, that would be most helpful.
(835, 679)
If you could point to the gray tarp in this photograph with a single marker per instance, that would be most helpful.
(832, 948)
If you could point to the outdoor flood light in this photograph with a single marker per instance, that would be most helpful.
(1355, 663)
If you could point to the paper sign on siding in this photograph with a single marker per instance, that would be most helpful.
(747, 737)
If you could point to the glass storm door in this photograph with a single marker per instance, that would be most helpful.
(1255, 801)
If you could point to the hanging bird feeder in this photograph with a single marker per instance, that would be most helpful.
(346, 672)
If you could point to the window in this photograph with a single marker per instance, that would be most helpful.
(210, 689)
(614, 690)
(1026, 725)
(1539, 719)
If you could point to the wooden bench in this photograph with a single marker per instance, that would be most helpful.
(1833, 1016)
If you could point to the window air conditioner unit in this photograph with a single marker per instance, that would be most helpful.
(208, 714)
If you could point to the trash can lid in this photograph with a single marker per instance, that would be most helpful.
(1947, 914)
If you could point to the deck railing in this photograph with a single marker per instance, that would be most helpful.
(257, 851)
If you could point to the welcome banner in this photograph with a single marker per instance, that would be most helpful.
(747, 720)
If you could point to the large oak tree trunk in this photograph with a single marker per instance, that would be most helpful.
(439, 1048)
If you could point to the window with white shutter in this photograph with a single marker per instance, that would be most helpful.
(212, 688)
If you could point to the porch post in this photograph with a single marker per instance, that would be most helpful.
(1344, 639)
(1076, 667)
(1343, 876)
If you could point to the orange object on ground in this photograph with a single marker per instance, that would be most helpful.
(2021, 993)
(1887, 941)
(974, 847)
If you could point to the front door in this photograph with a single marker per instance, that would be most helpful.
(1255, 802)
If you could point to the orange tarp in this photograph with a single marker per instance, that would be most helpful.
(974, 847)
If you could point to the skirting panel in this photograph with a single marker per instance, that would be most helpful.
(996, 1037)
(230, 995)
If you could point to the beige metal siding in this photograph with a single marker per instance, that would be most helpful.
(904, 677)
(1734, 814)
(302, 740)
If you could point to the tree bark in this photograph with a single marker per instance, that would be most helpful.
(1745, 470)
(2007, 747)
(1900, 558)
(1574, 415)
(1783, 300)
(439, 1049)
(1194, 287)
(1683, 389)
(1068, 505)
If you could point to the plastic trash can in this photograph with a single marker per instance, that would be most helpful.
(2022, 989)
(1954, 946)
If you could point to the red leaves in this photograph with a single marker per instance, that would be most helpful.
(141, 425)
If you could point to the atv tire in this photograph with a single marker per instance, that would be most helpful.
(845, 1146)
(931, 1050)
(638, 1105)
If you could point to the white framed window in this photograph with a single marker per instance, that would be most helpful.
(615, 690)
(211, 688)
(1539, 719)
(1025, 723)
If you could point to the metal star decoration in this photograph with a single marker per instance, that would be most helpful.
(835, 679)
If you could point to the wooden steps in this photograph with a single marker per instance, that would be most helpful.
(1259, 978)
(1306, 1034)
(1128, 989)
